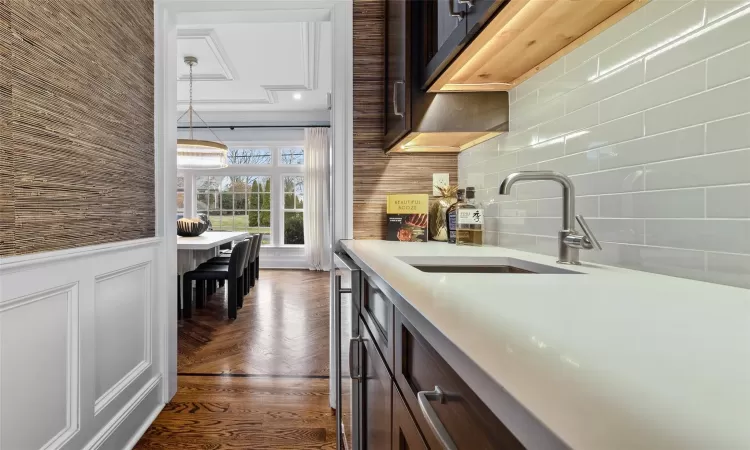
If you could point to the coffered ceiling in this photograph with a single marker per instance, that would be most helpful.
(254, 68)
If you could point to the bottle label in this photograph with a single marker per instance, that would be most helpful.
(470, 216)
(452, 227)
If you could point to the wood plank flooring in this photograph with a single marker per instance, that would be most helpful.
(258, 382)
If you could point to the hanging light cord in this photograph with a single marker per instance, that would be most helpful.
(190, 107)
(190, 111)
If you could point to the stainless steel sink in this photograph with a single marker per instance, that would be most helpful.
(481, 265)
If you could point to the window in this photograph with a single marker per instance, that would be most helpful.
(292, 156)
(236, 203)
(294, 187)
(261, 191)
(180, 197)
(249, 156)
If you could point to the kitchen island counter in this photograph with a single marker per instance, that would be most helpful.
(605, 359)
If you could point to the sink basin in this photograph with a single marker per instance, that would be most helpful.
(482, 265)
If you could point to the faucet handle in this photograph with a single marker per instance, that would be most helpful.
(589, 238)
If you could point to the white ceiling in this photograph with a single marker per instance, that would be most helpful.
(253, 68)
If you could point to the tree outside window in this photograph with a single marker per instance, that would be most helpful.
(294, 187)
(236, 203)
(292, 156)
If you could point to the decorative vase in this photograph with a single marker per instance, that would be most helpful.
(438, 224)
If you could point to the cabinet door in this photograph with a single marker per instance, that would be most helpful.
(397, 72)
(406, 435)
(479, 14)
(444, 29)
(376, 396)
(444, 407)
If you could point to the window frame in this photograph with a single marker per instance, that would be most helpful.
(283, 207)
(276, 171)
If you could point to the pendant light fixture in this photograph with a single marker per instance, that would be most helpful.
(196, 153)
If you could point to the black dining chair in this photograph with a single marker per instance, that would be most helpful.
(250, 271)
(232, 272)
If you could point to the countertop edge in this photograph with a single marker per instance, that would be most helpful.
(528, 429)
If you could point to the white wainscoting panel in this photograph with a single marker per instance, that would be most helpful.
(39, 369)
(79, 365)
(122, 323)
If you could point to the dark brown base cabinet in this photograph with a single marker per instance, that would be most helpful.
(411, 398)
(376, 395)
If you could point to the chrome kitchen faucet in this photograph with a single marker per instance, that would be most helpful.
(569, 241)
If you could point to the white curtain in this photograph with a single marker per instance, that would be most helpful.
(317, 213)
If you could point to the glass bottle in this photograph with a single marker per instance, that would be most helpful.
(469, 221)
(450, 216)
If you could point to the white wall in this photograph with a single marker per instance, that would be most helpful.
(80, 358)
(652, 121)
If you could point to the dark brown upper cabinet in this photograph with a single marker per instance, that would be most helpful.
(397, 72)
(446, 27)
(450, 63)
(421, 121)
(509, 41)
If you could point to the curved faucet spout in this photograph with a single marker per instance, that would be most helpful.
(568, 191)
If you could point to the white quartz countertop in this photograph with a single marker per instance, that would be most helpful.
(209, 240)
(608, 359)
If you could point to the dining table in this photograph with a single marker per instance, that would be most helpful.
(192, 251)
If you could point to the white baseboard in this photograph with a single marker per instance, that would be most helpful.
(120, 422)
(142, 430)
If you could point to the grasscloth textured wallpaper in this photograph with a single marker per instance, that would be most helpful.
(76, 123)
(376, 174)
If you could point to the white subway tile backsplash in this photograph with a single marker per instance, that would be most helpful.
(609, 133)
(627, 231)
(635, 22)
(657, 144)
(610, 182)
(661, 147)
(730, 66)
(728, 202)
(622, 79)
(688, 81)
(516, 141)
(547, 74)
(709, 41)
(665, 261)
(524, 208)
(687, 203)
(534, 115)
(708, 170)
(519, 241)
(569, 81)
(718, 235)
(728, 134)
(716, 9)
(538, 226)
(583, 118)
(668, 29)
(728, 269)
(583, 162)
(552, 207)
(537, 189)
(718, 103)
(541, 152)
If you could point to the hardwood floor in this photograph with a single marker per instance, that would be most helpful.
(258, 382)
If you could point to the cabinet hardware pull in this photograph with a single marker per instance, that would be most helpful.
(395, 98)
(352, 341)
(452, 10)
(423, 398)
